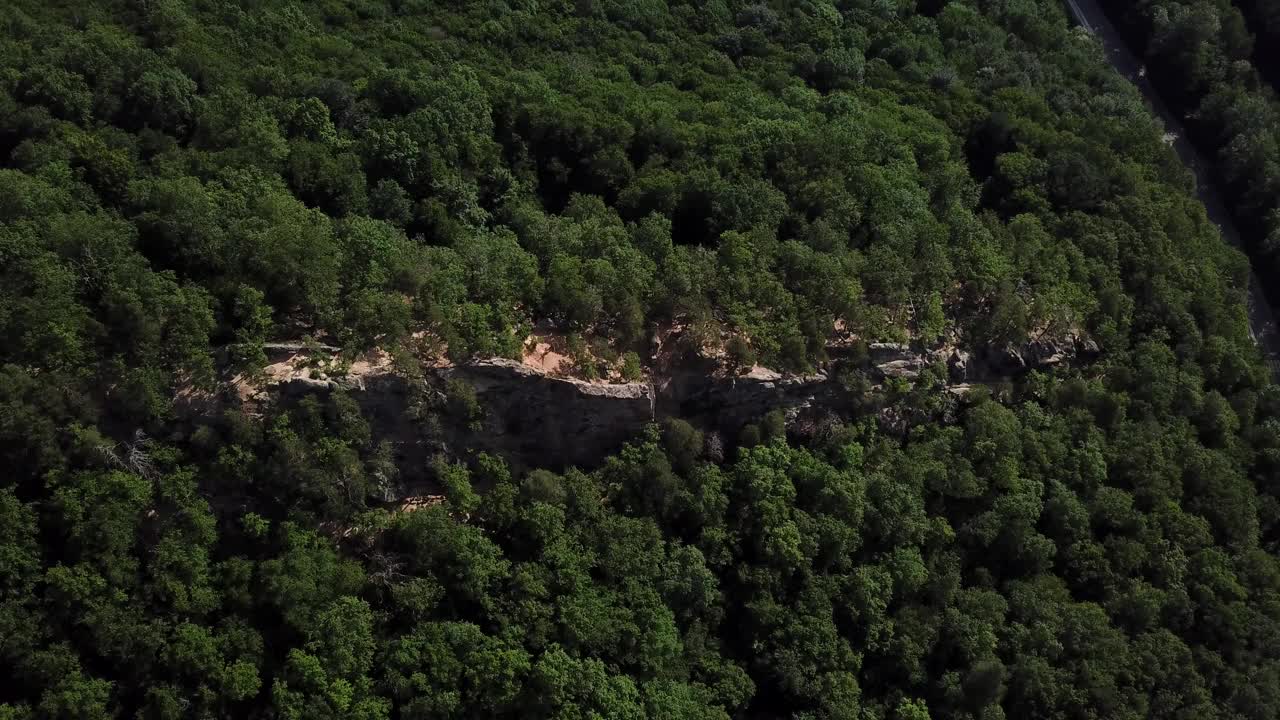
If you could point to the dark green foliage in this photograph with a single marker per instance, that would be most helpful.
(183, 183)
(1263, 20)
(461, 402)
(1199, 53)
(605, 189)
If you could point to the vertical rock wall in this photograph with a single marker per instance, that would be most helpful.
(536, 420)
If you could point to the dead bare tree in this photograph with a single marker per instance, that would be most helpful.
(132, 456)
(385, 569)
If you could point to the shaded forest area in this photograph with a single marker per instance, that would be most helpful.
(1205, 58)
(184, 182)
(1263, 18)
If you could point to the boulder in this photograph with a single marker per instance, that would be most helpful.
(905, 368)
(1086, 348)
(299, 386)
(958, 365)
(1042, 354)
(1005, 360)
(762, 374)
(889, 352)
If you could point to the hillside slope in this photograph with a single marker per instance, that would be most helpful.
(183, 183)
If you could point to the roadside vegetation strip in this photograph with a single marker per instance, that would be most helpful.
(1261, 312)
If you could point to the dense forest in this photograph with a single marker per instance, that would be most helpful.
(1263, 18)
(185, 181)
(1202, 54)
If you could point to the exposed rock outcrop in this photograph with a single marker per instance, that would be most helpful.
(993, 362)
(534, 419)
(551, 422)
(727, 403)
(958, 366)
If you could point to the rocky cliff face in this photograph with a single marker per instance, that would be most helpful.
(527, 417)
(535, 420)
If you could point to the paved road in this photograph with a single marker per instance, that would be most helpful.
(1262, 323)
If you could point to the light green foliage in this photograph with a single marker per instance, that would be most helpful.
(456, 482)
(631, 368)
